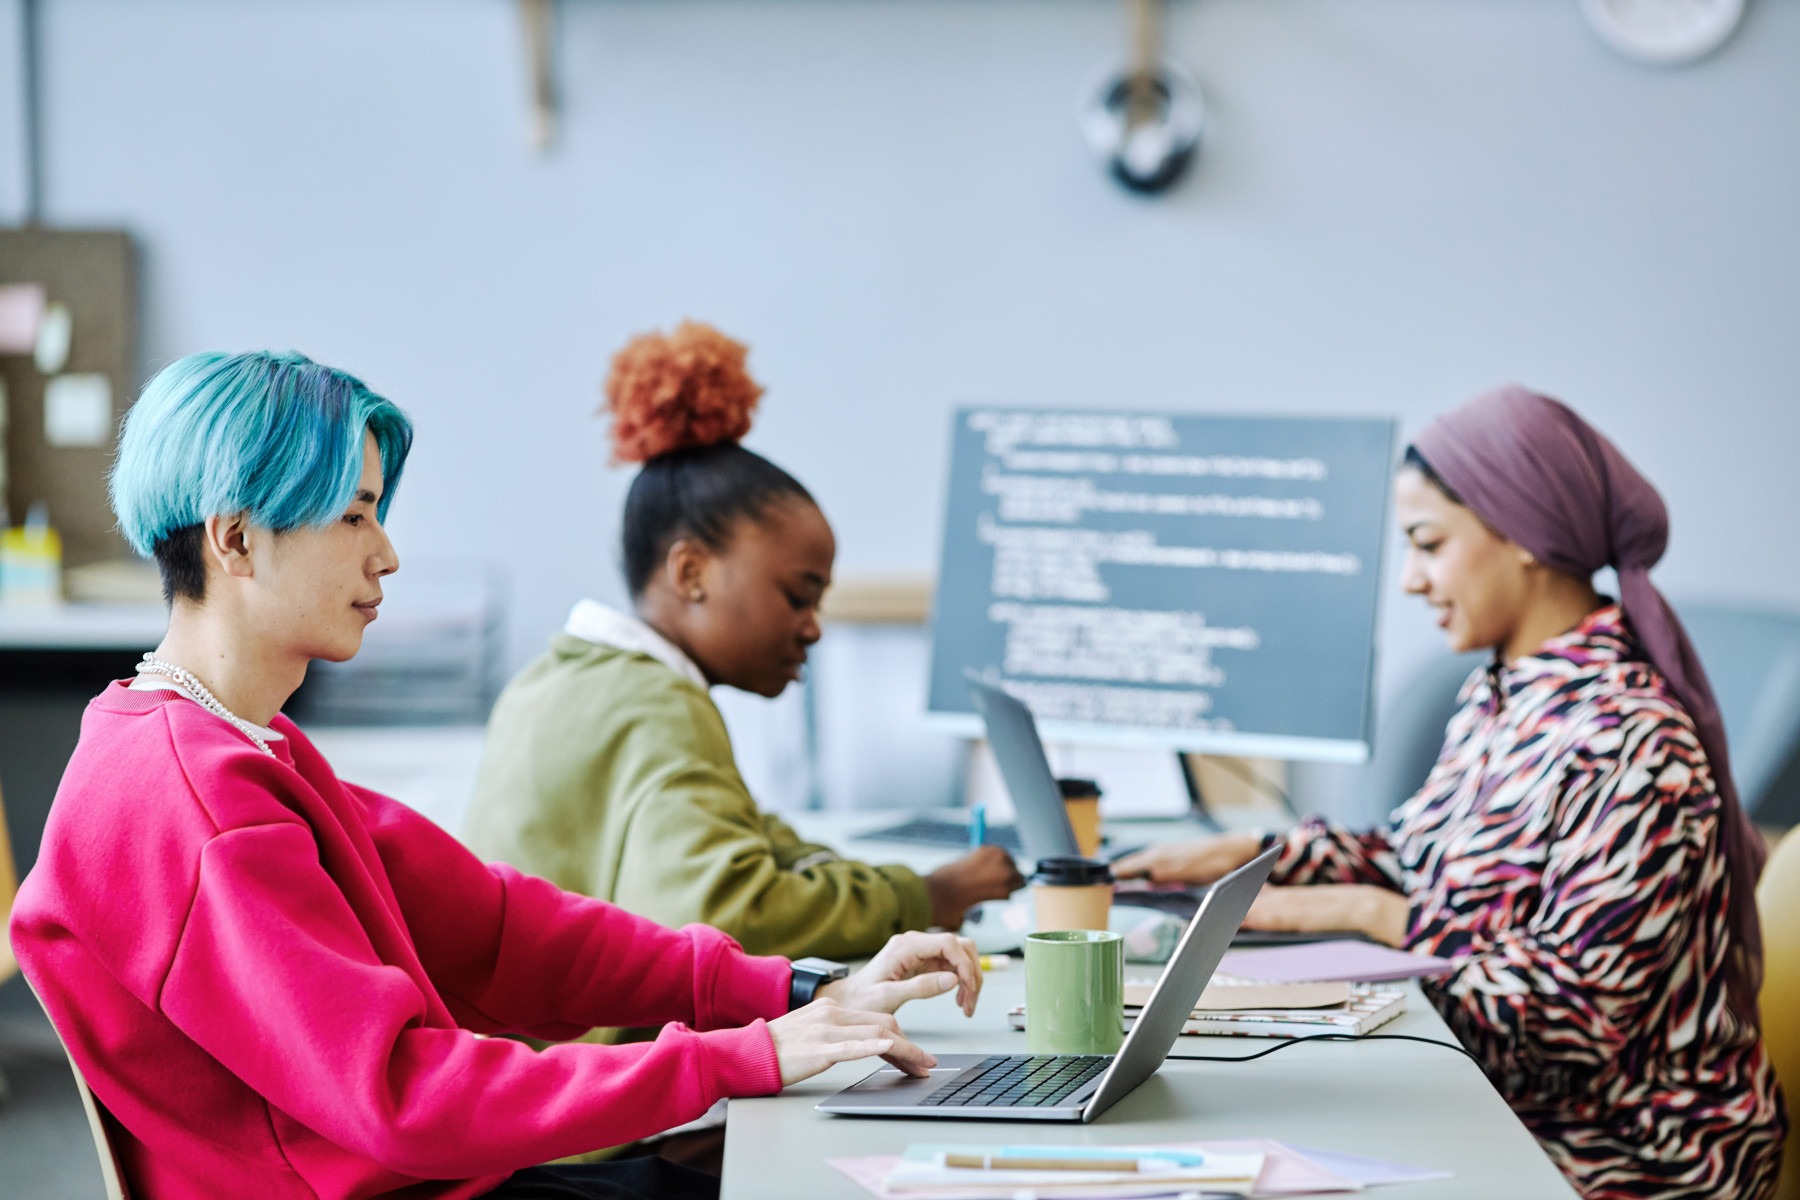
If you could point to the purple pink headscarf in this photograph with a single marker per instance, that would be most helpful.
(1553, 484)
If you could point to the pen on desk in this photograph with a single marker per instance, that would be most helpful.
(977, 826)
(1143, 1154)
(1053, 1162)
(996, 1162)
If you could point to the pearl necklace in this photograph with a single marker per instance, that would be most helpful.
(196, 691)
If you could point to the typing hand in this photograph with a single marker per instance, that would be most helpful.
(1376, 911)
(912, 966)
(1199, 860)
(825, 1033)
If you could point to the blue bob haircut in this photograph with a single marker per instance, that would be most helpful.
(277, 437)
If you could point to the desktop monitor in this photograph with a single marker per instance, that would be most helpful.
(1195, 582)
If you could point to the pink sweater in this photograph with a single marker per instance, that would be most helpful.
(273, 980)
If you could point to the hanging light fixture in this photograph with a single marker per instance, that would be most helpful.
(1143, 118)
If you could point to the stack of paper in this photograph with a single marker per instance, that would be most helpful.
(1231, 992)
(978, 1171)
(1233, 1007)
(1283, 1170)
(1368, 1007)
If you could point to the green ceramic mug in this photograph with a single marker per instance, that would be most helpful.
(1074, 992)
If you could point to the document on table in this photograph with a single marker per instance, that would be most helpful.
(924, 1171)
(1285, 1171)
(1360, 962)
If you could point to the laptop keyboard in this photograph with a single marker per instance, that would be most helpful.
(1019, 1081)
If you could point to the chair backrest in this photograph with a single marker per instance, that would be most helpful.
(9, 890)
(112, 1175)
(1778, 902)
(1409, 731)
(1751, 654)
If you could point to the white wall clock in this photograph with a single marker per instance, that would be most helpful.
(1665, 32)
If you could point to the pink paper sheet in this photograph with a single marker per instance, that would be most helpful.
(1286, 1172)
(1358, 962)
(1369, 1171)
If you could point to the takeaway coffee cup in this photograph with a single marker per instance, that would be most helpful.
(1081, 797)
(1072, 893)
(1074, 992)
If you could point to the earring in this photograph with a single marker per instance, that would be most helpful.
(696, 595)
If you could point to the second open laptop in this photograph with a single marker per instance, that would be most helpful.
(1041, 822)
(1038, 807)
(1070, 1087)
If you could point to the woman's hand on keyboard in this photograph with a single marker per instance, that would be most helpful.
(912, 966)
(1198, 860)
(1380, 912)
(825, 1033)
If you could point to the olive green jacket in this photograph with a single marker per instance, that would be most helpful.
(609, 774)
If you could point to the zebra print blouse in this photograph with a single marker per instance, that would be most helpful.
(1565, 853)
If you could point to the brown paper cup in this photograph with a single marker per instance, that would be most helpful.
(1061, 908)
(1084, 816)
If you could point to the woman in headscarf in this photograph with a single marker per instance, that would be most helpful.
(1578, 852)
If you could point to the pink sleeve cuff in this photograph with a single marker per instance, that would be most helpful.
(742, 1062)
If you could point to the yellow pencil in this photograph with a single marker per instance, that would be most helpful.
(998, 1162)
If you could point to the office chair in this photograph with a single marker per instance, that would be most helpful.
(112, 1175)
(1778, 902)
(1751, 654)
(1409, 732)
(9, 888)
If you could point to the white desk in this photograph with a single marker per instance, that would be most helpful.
(1408, 1103)
(128, 627)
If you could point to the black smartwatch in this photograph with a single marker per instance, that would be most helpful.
(810, 974)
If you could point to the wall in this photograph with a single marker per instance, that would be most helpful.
(1400, 202)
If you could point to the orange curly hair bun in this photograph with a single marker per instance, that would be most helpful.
(679, 391)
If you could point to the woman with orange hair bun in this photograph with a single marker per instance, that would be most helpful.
(608, 768)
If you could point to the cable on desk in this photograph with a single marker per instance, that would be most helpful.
(1328, 1037)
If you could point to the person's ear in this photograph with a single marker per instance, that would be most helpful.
(1528, 560)
(227, 544)
(684, 567)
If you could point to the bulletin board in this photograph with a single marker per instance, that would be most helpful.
(94, 273)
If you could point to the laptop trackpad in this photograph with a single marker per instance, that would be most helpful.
(890, 1085)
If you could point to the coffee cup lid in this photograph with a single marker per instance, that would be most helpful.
(1078, 789)
(1072, 872)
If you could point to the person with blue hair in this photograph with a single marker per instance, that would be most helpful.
(278, 983)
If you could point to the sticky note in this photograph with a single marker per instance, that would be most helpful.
(78, 410)
(56, 328)
(21, 309)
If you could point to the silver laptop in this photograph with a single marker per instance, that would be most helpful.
(1070, 1087)
(1043, 820)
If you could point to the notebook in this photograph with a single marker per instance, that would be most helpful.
(1361, 962)
(1368, 1007)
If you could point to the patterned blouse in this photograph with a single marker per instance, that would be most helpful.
(1565, 853)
